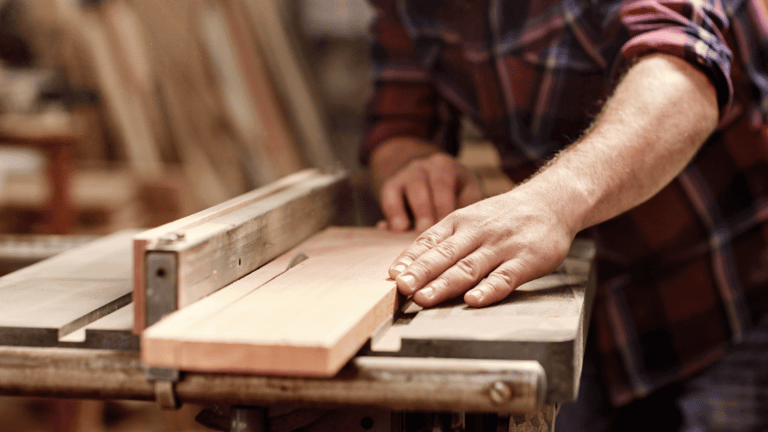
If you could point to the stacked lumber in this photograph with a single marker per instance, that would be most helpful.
(212, 86)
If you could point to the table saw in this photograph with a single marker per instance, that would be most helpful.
(102, 320)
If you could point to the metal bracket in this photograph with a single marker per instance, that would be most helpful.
(165, 380)
(161, 285)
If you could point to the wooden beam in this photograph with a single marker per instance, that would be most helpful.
(45, 302)
(224, 243)
(306, 321)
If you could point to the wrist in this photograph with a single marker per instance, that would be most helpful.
(565, 197)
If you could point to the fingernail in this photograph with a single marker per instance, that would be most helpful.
(408, 280)
(400, 223)
(476, 294)
(396, 270)
(428, 293)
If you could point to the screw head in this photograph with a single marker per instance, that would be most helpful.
(501, 392)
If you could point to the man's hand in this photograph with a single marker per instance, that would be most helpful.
(512, 238)
(657, 119)
(411, 174)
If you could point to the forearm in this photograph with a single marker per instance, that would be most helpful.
(657, 119)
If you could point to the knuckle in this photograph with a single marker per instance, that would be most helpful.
(419, 269)
(469, 267)
(391, 187)
(442, 181)
(448, 250)
(441, 159)
(428, 239)
(503, 280)
(440, 285)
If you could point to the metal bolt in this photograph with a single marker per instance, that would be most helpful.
(501, 392)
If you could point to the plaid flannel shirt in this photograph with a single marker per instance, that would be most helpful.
(681, 276)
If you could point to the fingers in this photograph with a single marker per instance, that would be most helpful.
(411, 189)
(426, 241)
(498, 285)
(451, 252)
(393, 206)
(444, 180)
(420, 200)
(431, 188)
(457, 279)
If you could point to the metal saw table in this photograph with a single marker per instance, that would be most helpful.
(67, 330)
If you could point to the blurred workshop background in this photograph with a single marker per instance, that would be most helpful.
(118, 114)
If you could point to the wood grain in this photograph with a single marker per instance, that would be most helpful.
(228, 241)
(307, 321)
(46, 301)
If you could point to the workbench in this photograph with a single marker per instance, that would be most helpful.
(67, 330)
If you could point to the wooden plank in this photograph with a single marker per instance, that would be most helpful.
(294, 85)
(186, 99)
(127, 37)
(228, 241)
(307, 321)
(543, 320)
(121, 101)
(187, 95)
(280, 147)
(114, 332)
(249, 125)
(45, 302)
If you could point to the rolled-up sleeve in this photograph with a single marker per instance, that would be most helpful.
(403, 102)
(690, 29)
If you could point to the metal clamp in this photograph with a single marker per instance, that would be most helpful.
(165, 380)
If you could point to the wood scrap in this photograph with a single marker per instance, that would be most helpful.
(306, 321)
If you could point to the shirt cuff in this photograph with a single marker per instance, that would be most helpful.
(693, 44)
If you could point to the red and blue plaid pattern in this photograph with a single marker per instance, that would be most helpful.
(683, 275)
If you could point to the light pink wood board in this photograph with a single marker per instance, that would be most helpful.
(307, 321)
